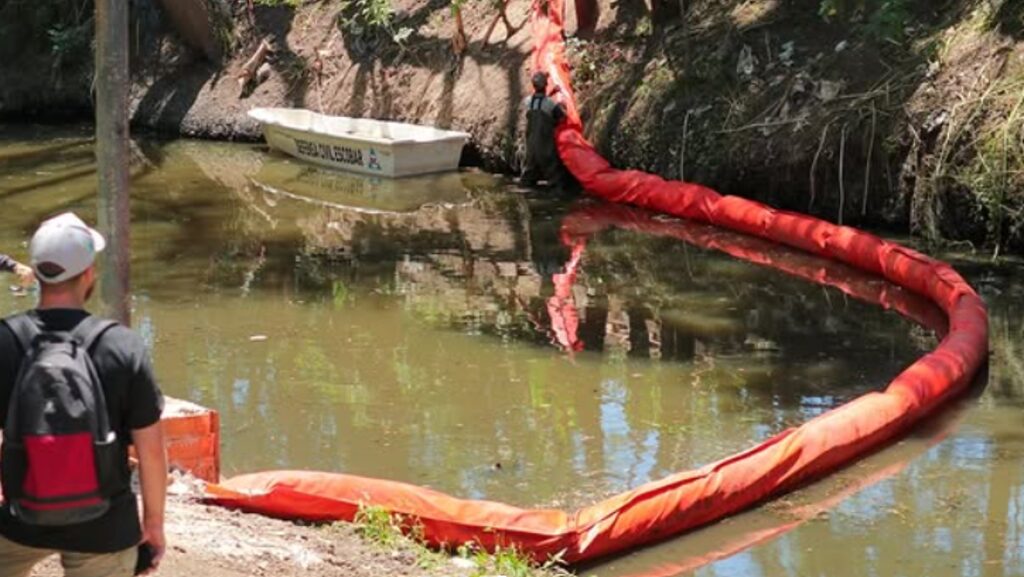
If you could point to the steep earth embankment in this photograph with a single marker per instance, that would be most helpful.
(903, 113)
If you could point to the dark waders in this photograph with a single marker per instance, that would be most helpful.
(542, 162)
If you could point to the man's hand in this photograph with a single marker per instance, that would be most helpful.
(155, 538)
(25, 275)
(149, 446)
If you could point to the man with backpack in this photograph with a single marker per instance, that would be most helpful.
(75, 392)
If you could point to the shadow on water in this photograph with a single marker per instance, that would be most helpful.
(36, 156)
(8, 192)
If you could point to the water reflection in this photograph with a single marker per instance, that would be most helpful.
(456, 335)
(728, 543)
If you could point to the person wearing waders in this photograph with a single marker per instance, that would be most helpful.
(542, 116)
(75, 392)
(25, 275)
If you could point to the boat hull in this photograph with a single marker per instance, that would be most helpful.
(369, 156)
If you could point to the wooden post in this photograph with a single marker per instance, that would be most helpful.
(112, 159)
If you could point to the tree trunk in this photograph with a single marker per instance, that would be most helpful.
(112, 157)
(684, 21)
(198, 23)
(587, 14)
(663, 13)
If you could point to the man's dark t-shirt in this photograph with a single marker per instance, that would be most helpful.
(133, 401)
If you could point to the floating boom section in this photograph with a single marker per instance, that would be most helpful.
(687, 500)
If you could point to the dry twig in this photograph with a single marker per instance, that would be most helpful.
(682, 147)
(502, 16)
(867, 170)
(814, 165)
(248, 72)
(842, 186)
(459, 41)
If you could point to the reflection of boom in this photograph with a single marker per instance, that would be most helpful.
(794, 516)
(637, 516)
(565, 318)
(593, 218)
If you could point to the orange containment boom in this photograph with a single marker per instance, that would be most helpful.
(683, 501)
(192, 437)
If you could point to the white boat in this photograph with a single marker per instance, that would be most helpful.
(362, 145)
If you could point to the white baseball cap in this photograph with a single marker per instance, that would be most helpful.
(68, 243)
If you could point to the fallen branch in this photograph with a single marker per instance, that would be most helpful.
(459, 41)
(318, 74)
(867, 170)
(814, 166)
(842, 185)
(757, 125)
(252, 65)
(682, 147)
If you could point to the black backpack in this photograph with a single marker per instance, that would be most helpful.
(60, 458)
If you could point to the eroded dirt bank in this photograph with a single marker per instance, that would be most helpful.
(214, 542)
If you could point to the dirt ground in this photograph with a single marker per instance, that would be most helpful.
(210, 541)
(215, 542)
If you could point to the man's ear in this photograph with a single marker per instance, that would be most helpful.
(89, 279)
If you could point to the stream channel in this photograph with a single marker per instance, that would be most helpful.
(411, 330)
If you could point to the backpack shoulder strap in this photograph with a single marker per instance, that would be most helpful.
(25, 330)
(87, 334)
(89, 331)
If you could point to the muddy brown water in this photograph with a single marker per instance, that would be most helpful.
(402, 330)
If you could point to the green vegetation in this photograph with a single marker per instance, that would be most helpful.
(879, 19)
(994, 174)
(275, 3)
(509, 562)
(372, 14)
(61, 29)
(296, 72)
(371, 23)
(70, 40)
(377, 525)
